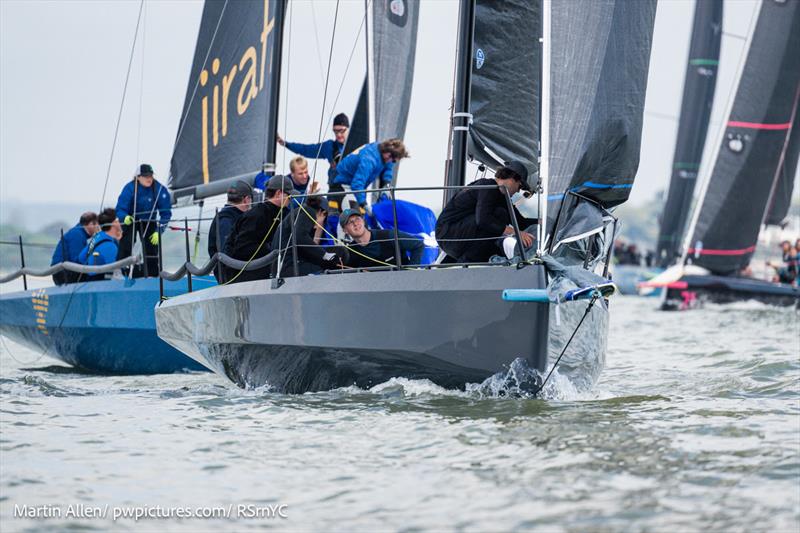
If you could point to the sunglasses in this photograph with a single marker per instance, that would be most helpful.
(339, 130)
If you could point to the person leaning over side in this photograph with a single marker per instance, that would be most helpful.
(102, 248)
(240, 197)
(372, 248)
(483, 214)
(330, 150)
(70, 245)
(307, 223)
(140, 204)
(362, 167)
(251, 236)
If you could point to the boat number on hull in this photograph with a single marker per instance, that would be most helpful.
(40, 302)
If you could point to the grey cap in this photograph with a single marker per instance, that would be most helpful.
(240, 189)
(518, 168)
(284, 183)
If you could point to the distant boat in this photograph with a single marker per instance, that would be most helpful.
(750, 184)
(459, 324)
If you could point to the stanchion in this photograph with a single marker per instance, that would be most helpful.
(22, 262)
(188, 256)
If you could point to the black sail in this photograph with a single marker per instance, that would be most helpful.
(753, 145)
(394, 46)
(227, 127)
(698, 97)
(505, 88)
(599, 59)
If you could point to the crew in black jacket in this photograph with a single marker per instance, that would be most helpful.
(251, 237)
(240, 196)
(476, 213)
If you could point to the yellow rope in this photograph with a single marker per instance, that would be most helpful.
(274, 220)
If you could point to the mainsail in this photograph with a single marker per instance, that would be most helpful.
(599, 54)
(751, 154)
(227, 127)
(698, 97)
(505, 88)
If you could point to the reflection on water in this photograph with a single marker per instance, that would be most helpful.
(695, 424)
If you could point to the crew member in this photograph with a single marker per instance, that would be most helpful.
(477, 213)
(142, 201)
(70, 245)
(362, 167)
(240, 197)
(371, 248)
(102, 248)
(251, 236)
(787, 272)
(307, 223)
(330, 150)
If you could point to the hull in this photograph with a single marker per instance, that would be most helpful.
(628, 277)
(322, 332)
(693, 291)
(101, 326)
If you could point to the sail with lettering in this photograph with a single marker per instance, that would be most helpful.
(228, 124)
(599, 55)
(753, 153)
(505, 83)
(698, 97)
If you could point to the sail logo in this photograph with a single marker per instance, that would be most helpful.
(479, 58)
(397, 12)
(41, 303)
(247, 75)
(735, 142)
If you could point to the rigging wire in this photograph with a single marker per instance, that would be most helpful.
(316, 40)
(288, 82)
(141, 83)
(122, 103)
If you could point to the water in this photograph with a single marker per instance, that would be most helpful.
(694, 425)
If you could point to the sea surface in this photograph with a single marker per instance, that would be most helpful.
(693, 426)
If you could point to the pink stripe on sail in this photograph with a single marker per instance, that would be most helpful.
(759, 126)
(707, 251)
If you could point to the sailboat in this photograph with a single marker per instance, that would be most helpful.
(453, 324)
(104, 326)
(750, 183)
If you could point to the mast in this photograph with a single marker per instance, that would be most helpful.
(461, 117)
(544, 130)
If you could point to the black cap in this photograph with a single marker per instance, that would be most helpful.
(240, 190)
(346, 214)
(341, 120)
(145, 170)
(520, 170)
(284, 183)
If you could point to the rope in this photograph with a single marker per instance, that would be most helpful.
(269, 231)
(595, 296)
(141, 85)
(121, 105)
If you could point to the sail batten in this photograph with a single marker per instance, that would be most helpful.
(227, 126)
(698, 97)
(750, 155)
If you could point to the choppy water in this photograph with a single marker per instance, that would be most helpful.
(694, 425)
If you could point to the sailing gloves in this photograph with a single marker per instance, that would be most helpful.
(154, 239)
(128, 220)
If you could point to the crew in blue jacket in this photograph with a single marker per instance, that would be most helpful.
(102, 248)
(331, 150)
(70, 245)
(142, 201)
(362, 167)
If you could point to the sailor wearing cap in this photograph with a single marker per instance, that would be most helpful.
(251, 236)
(375, 248)
(482, 215)
(143, 205)
(240, 196)
(330, 150)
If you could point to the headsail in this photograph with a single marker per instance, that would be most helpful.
(599, 54)
(227, 127)
(754, 143)
(698, 97)
(781, 196)
(505, 89)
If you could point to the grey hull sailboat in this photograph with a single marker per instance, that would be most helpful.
(459, 324)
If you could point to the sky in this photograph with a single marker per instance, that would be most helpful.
(63, 65)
